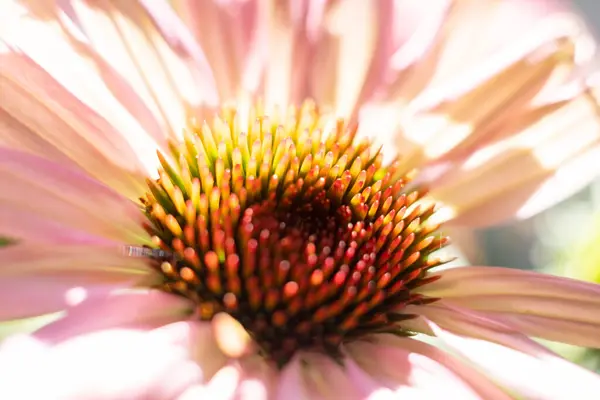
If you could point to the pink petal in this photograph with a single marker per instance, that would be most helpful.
(346, 52)
(407, 32)
(473, 39)
(38, 279)
(239, 66)
(469, 375)
(409, 374)
(541, 305)
(258, 379)
(24, 296)
(294, 30)
(317, 376)
(110, 364)
(129, 308)
(223, 384)
(460, 45)
(58, 193)
(372, 389)
(248, 378)
(32, 228)
(56, 22)
(100, 263)
(16, 134)
(199, 338)
(511, 358)
(193, 392)
(557, 330)
(76, 114)
(148, 54)
(291, 385)
(98, 39)
(500, 120)
(182, 43)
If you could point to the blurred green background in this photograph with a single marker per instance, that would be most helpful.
(564, 240)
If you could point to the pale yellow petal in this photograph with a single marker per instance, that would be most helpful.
(536, 160)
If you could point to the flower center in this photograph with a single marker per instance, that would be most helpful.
(293, 227)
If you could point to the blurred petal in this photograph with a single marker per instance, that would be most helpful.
(67, 197)
(470, 376)
(199, 338)
(31, 228)
(38, 279)
(558, 330)
(151, 52)
(193, 392)
(541, 305)
(406, 33)
(468, 281)
(290, 385)
(223, 384)
(239, 65)
(128, 308)
(544, 42)
(95, 366)
(24, 297)
(89, 262)
(533, 194)
(460, 51)
(293, 31)
(316, 376)
(474, 36)
(250, 378)
(408, 369)
(567, 179)
(95, 103)
(502, 126)
(511, 358)
(161, 67)
(547, 154)
(182, 43)
(65, 130)
(347, 51)
(258, 379)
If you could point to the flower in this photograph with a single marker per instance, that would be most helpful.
(285, 256)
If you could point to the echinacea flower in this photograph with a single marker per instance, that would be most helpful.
(271, 250)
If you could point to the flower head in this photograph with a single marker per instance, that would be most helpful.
(274, 250)
(293, 227)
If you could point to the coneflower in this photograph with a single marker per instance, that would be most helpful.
(292, 226)
(277, 253)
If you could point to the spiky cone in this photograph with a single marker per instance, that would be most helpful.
(294, 228)
(95, 88)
